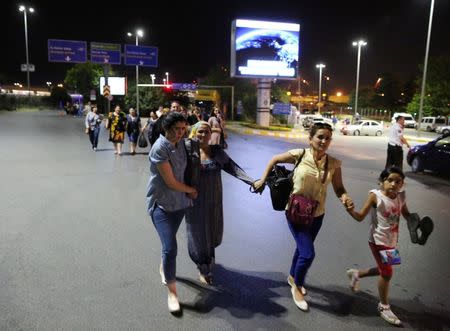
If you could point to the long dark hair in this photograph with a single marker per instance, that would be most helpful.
(171, 118)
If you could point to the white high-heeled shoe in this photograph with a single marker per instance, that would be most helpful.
(291, 282)
(301, 304)
(173, 303)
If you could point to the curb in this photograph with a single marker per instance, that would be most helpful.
(300, 135)
(268, 133)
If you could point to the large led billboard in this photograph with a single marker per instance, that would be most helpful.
(117, 85)
(264, 49)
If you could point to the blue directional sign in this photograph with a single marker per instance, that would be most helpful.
(146, 56)
(184, 86)
(69, 51)
(281, 108)
(104, 53)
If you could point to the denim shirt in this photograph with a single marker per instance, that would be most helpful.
(92, 120)
(157, 190)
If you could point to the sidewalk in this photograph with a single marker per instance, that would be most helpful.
(294, 133)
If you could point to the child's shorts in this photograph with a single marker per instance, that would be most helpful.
(384, 269)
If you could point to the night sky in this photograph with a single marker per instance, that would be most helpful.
(195, 36)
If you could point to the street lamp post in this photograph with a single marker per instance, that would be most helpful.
(360, 44)
(167, 78)
(24, 10)
(320, 66)
(152, 76)
(424, 77)
(138, 33)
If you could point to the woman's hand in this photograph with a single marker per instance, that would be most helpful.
(259, 186)
(192, 195)
(347, 201)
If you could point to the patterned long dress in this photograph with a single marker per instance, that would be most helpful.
(117, 126)
(204, 221)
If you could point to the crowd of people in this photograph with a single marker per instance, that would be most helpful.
(187, 157)
(118, 123)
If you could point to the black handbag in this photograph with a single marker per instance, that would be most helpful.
(192, 171)
(142, 140)
(280, 184)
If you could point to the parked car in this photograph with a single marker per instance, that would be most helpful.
(410, 122)
(444, 129)
(431, 123)
(310, 120)
(434, 156)
(365, 127)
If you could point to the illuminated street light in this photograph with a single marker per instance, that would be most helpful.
(164, 81)
(167, 78)
(24, 9)
(360, 44)
(320, 66)
(138, 33)
(152, 76)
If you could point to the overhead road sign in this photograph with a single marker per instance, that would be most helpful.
(145, 56)
(105, 53)
(184, 86)
(69, 51)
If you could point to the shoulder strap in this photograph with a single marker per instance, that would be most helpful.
(325, 174)
(300, 159)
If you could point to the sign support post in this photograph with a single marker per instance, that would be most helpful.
(107, 102)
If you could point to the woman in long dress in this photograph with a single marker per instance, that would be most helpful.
(204, 220)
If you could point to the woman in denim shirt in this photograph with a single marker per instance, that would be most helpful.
(168, 196)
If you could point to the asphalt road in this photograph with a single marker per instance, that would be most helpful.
(78, 251)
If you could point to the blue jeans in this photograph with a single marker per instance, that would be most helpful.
(304, 252)
(93, 136)
(167, 224)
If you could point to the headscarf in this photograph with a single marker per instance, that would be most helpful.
(196, 126)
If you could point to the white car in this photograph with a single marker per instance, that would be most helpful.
(410, 122)
(444, 129)
(365, 127)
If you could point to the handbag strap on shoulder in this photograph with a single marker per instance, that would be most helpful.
(300, 159)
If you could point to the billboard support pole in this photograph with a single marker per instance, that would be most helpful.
(263, 102)
(108, 102)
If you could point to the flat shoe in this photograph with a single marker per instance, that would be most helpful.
(301, 304)
(291, 282)
(173, 303)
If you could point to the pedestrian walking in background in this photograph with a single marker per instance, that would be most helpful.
(204, 221)
(168, 197)
(216, 123)
(158, 127)
(133, 129)
(312, 175)
(92, 124)
(116, 123)
(395, 144)
(385, 205)
(150, 124)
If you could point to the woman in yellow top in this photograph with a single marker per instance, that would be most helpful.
(311, 177)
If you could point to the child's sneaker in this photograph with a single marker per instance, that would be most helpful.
(387, 314)
(353, 275)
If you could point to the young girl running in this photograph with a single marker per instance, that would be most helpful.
(385, 205)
